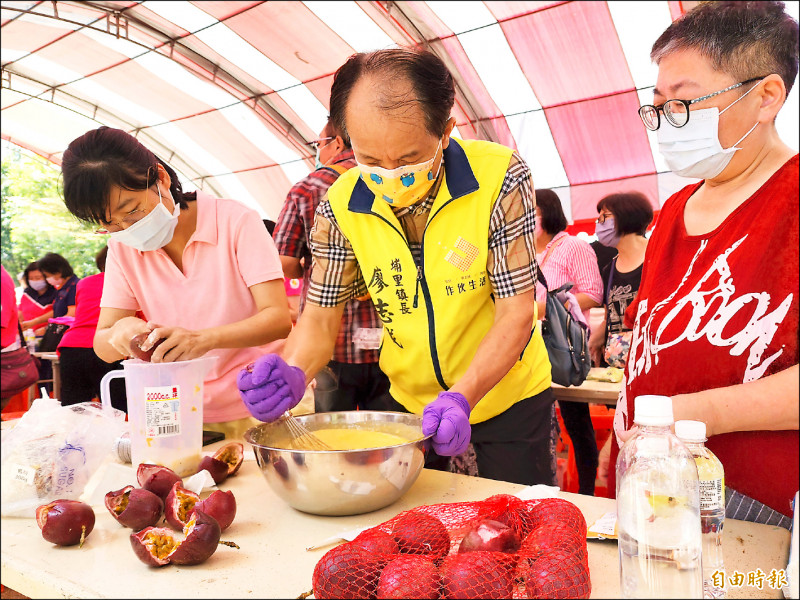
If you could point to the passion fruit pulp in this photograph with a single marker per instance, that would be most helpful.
(179, 505)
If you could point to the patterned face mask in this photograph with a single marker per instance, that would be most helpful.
(404, 185)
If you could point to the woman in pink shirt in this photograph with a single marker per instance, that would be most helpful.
(203, 270)
(565, 258)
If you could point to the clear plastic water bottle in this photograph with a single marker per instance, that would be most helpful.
(712, 501)
(658, 509)
(30, 340)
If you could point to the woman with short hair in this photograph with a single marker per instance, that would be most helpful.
(58, 273)
(622, 222)
(716, 317)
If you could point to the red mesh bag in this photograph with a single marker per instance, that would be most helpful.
(554, 574)
(557, 509)
(501, 547)
(347, 571)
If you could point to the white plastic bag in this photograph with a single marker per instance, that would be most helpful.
(52, 451)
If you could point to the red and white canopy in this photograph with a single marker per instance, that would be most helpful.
(229, 93)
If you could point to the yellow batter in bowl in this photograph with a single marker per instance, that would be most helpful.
(351, 439)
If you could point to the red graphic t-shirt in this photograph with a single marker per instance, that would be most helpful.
(721, 309)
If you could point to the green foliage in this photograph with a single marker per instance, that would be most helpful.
(34, 219)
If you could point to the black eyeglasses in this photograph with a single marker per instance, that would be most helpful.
(603, 216)
(676, 112)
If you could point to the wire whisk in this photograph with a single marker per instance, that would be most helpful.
(302, 438)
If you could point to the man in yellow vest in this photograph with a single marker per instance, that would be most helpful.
(439, 233)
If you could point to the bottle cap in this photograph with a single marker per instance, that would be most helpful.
(653, 410)
(691, 431)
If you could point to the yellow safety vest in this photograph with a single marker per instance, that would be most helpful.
(437, 312)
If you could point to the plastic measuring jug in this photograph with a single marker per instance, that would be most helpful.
(165, 411)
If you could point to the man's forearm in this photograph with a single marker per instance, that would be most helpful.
(311, 343)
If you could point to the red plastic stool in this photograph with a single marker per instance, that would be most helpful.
(603, 423)
(17, 403)
(569, 481)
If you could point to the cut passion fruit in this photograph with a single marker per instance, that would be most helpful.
(217, 468)
(220, 505)
(157, 479)
(233, 455)
(178, 506)
(134, 507)
(159, 546)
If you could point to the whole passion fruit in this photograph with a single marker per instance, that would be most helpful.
(136, 347)
(65, 522)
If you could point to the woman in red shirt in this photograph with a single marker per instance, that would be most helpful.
(37, 298)
(716, 318)
(81, 368)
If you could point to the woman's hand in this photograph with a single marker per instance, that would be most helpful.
(596, 347)
(29, 324)
(123, 331)
(178, 344)
(627, 434)
(597, 343)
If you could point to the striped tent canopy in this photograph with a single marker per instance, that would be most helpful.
(230, 93)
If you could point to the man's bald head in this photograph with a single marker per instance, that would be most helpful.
(397, 81)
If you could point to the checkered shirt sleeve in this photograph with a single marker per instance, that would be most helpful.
(511, 262)
(335, 274)
(297, 214)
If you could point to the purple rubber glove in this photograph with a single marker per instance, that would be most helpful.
(270, 387)
(447, 418)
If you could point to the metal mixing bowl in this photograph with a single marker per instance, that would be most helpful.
(340, 482)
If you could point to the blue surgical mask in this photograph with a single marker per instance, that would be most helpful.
(606, 233)
(317, 162)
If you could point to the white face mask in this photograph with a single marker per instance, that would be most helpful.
(38, 284)
(694, 149)
(151, 232)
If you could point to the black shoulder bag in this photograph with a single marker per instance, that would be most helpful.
(18, 370)
(566, 340)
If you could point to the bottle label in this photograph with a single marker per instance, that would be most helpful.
(162, 411)
(712, 494)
